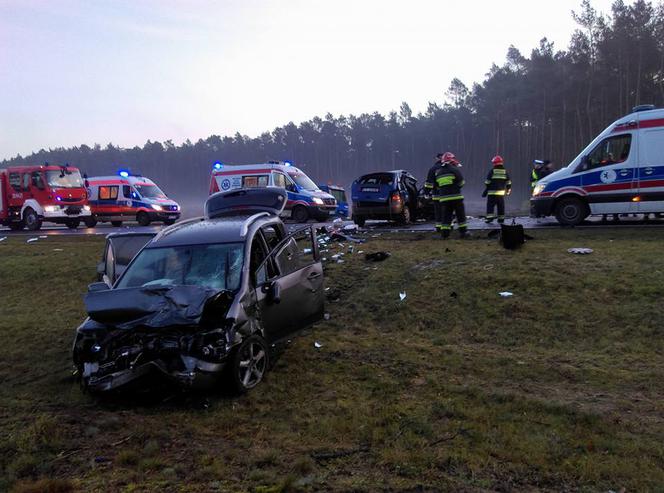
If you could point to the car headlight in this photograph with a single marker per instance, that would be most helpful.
(156, 207)
(50, 208)
(86, 208)
(539, 188)
(318, 201)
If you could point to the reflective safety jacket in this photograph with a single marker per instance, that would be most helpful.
(446, 181)
(498, 181)
(430, 183)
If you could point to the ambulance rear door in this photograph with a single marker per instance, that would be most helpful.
(651, 170)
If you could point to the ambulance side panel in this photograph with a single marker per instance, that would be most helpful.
(651, 172)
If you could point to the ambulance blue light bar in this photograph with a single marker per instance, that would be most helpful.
(288, 163)
(218, 165)
(123, 173)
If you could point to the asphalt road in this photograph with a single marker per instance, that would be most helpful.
(474, 223)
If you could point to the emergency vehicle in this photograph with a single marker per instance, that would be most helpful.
(305, 199)
(128, 197)
(30, 195)
(620, 172)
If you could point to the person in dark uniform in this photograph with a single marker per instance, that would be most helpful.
(448, 182)
(498, 184)
(430, 189)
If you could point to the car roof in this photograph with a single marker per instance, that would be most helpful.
(200, 231)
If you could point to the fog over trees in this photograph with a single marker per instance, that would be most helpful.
(548, 104)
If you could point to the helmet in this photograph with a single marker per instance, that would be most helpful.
(448, 157)
(497, 160)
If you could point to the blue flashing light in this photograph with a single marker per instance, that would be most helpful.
(218, 165)
(288, 163)
(124, 173)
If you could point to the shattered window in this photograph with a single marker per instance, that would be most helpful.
(217, 267)
(296, 253)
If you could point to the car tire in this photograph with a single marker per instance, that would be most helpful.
(73, 223)
(31, 220)
(359, 220)
(248, 364)
(169, 222)
(16, 226)
(571, 211)
(117, 224)
(143, 219)
(404, 217)
(90, 222)
(300, 214)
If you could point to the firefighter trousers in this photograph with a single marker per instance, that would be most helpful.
(453, 208)
(438, 214)
(495, 202)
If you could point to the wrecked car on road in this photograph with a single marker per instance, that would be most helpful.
(206, 298)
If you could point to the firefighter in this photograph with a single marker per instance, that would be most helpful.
(430, 191)
(498, 184)
(448, 182)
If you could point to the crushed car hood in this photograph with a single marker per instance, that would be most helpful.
(152, 307)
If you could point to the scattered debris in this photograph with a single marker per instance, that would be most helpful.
(454, 294)
(327, 316)
(402, 295)
(377, 256)
(350, 227)
(32, 240)
(505, 294)
(488, 267)
(333, 295)
(338, 221)
(43, 237)
(58, 250)
(318, 345)
(3, 239)
(580, 251)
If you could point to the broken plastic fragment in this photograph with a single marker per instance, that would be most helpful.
(43, 237)
(326, 316)
(402, 296)
(580, 251)
(3, 239)
(377, 256)
(505, 294)
(32, 240)
(317, 345)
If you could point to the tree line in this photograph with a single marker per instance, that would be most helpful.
(547, 105)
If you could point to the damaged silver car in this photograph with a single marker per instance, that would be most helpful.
(204, 299)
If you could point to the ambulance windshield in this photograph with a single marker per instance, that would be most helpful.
(150, 191)
(217, 267)
(64, 178)
(303, 181)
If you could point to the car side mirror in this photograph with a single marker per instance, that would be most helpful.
(98, 286)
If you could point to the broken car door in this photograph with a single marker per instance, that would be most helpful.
(293, 298)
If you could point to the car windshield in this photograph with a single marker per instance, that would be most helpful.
(377, 179)
(216, 266)
(64, 178)
(303, 181)
(150, 191)
(340, 195)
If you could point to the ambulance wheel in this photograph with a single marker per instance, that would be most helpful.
(571, 211)
(90, 222)
(16, 226)
(404, 217)
(143, 218)
(73, 223)
(359, 220)
(117, 224)
(300, 214)
(31, 220)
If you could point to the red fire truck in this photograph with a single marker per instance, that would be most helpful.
(32, 194)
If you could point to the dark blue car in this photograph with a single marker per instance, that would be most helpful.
(340, 195)
(390, 195)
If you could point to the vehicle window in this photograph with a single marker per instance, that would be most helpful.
(303, 181)
(126, 247)
(64, 178)
(216, 266)
(279, 180)
(108, 192)
(297, 252)
(377, 179)
(257, 267)
(126, 191)
(110, 263)
(26, 182)
(149, 191)
(610, 151)
(15, 181)
(272, 236)
(37, 180)
(255, 181)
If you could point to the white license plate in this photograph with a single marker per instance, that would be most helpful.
(371, 189)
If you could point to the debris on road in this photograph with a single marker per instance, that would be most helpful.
(32, 240)
(43, 237)
(377, 256)
(318, 345)
(580, 251)
(505, 294)
(402, 296)
(327, 316)
(3, 239)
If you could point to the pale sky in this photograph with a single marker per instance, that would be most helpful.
(88, 71)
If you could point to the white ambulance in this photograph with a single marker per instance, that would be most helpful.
(621, 171)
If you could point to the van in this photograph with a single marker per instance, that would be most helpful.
(305, 199)
(128, 197)
(620, 172)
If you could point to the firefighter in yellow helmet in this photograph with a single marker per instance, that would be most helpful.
(497, 185)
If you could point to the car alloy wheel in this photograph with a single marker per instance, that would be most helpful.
(252, 362)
